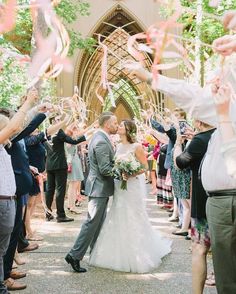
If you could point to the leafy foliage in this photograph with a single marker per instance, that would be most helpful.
(210, 28)
(13, 78)
(69, 12)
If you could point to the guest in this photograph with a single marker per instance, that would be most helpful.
(181, 180)
(23, 179)
(164, 192)
(220, 186)
(8, 187)
(192, 158)
(75, 172)
(37, 158)
(56, 167)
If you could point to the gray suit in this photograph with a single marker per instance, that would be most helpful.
(99, 186)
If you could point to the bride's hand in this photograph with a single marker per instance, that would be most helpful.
(125, 176)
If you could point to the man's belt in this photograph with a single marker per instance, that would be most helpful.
(231, 192)
(7, 197)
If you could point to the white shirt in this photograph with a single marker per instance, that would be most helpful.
(7, 177)
(199, 102)
(229, 152)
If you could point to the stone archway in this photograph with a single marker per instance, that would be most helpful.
(115, 30)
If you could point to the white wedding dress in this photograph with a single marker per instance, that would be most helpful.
(127, 242)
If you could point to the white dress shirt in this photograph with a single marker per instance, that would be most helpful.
(199, 102)
(7, 177)
(229, 152)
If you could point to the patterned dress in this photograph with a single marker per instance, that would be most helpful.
(164, 192)
(181, 180)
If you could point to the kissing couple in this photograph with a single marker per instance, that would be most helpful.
(122, 240)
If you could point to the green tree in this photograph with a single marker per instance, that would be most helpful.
(13, 78)
(211, 27)
(67, 10)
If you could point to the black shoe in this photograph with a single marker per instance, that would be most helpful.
(49, 217)
(64, 219)
(184, 234)
(75, 264)
(187, 238)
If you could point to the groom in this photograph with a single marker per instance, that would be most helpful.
(99, 186)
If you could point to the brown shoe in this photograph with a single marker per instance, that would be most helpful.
(17, 275)
(14, 285)
(30, 247)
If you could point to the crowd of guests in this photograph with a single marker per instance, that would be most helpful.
(30, 158)
(179, 190)
(192, 169)
(213, 109)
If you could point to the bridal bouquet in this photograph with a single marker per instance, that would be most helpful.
(126, 164)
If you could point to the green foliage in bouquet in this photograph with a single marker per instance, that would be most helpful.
(126, 165)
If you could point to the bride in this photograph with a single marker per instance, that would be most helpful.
(127, 241)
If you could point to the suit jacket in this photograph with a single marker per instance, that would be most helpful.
(19, 158)
(56, 156)
(100, 183)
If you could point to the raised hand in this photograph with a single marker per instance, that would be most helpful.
(138, 70)
(229, 20)
(222, 96)
(32, 96)
(45, 107)
(225, 45)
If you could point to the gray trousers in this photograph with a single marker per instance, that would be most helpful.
(221, 216)
(7, 219)
(90, 230)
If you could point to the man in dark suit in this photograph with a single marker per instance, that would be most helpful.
(56, 167)
(99, 187)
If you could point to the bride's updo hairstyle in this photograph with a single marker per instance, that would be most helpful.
(131, 130)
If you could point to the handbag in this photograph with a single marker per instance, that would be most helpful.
(69, 168)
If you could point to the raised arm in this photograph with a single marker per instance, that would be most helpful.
(67, 139)
(35, 139)
(190, 97)
(15, 124)
(39, 118)
(53, 129)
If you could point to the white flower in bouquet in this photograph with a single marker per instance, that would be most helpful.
(126, 164)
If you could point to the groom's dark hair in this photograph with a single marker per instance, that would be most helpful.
(105, 116)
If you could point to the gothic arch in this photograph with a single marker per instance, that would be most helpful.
(115, 28)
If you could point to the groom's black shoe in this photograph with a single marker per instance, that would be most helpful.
(75, 264)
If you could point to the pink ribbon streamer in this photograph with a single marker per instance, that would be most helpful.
(106, 85)
(7, 16)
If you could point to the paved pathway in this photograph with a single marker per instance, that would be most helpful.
(48, 272)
